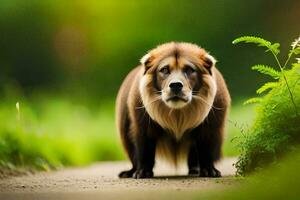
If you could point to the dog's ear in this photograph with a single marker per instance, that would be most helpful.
(208, 62)
(146, 62)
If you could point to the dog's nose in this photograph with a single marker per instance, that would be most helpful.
(176, 87)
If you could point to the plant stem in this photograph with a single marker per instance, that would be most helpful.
(287, 60)
(285, 79)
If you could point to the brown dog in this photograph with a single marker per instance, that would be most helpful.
(174, 104)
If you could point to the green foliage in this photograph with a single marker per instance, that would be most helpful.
(240, 117)
(274, 48)
(276, 128)
(253, 100)
(266, 86)
(51, 133)
(267, 70)
(295, 51)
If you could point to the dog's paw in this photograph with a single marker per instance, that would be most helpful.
(194, 171)
(142, 173)
(209, 172)
(126, 174)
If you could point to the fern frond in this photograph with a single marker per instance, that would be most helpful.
(253, 100)
(266, 86)
(252, 39)
(260, 42)
(295, 51)
(267, 70)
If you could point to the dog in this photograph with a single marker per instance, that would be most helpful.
(174, 104)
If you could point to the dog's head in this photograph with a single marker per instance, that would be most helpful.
(178, 85)
(179, 72)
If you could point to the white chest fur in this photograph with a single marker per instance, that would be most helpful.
(178, 121)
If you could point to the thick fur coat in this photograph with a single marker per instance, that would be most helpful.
(175, 105)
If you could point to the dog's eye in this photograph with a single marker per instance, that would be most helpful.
(164, 70)
(189, 70)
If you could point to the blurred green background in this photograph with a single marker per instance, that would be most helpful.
(64, 61)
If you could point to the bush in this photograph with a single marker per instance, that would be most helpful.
(276, 129)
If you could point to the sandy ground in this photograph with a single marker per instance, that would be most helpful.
(100, 181)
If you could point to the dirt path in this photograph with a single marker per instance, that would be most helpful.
(100, 180)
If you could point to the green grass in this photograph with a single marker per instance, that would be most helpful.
(239, 121)
(54, 132)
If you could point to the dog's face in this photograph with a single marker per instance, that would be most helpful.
(178, 86)
(177, 79)
(178, 71)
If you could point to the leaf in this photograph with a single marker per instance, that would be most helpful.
(253, 100)
(267, 70)
(252, 39)
(295, 51)
(260, 41)
(266, 86)
(296, 67)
